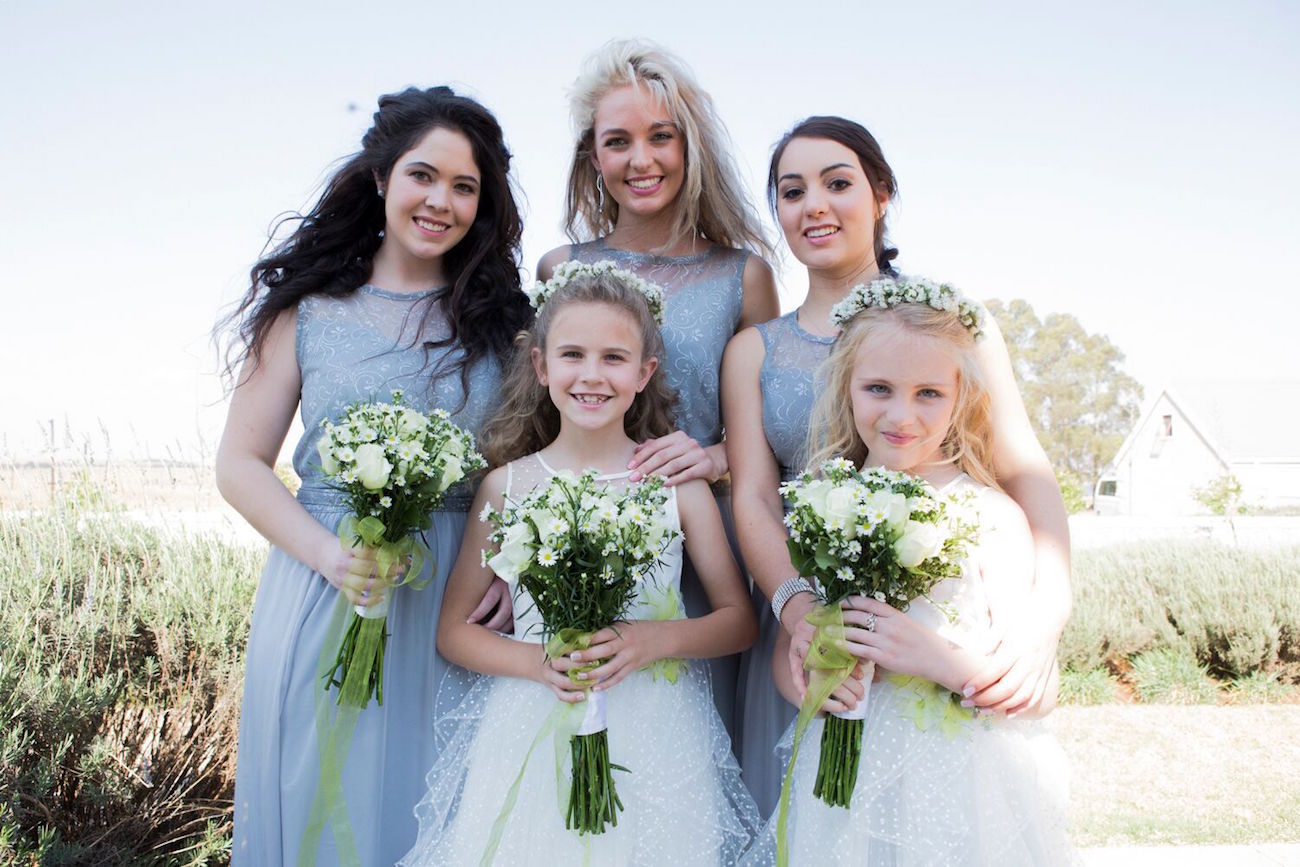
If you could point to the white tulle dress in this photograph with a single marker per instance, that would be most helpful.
(936, 786)
(684, 803)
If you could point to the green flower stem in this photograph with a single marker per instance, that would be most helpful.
(593, 799)
(841, 754)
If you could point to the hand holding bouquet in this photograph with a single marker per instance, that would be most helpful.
(582, 550)
(877, 533)
(394, 465)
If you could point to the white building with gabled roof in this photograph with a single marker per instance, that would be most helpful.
(1194, 433)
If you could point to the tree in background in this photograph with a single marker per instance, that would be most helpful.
(1079, 400)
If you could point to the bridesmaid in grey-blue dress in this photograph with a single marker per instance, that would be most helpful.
(397, 313)
(672, 208)
(788, 390)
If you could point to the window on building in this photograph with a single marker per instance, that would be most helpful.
(1166, 425)
(1108, 488)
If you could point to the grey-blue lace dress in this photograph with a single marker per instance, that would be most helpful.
(787, 385)
(358, 347)
(703, 300)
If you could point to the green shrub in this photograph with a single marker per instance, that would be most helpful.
(1261, 688)
(120, 679)
(1168, 676)
(1234, 610)
(1087, 687)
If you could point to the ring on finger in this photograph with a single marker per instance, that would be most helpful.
(871, 621)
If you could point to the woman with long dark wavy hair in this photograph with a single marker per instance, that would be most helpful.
(404, 275)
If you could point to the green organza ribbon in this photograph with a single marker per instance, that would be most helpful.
(562, 723)
(828, 667)
(666, 606)
(929, 705)
(361, 641)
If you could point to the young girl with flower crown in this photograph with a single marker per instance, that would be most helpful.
(585, 389)
(653, 187)
(938, 783)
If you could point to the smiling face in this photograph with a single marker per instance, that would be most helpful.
(638, 151)
(431, 196)
(593, 366)
(904, 391)
(826, 205)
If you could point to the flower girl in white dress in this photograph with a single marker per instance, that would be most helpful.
(584, 393)
(937, 784)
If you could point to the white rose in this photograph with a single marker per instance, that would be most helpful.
(372, 469)
(327, 462)
(890, 505)
(814, 495)
(842, 510)
(454, 447)
(920, 541)
(412, 422)
(516, 552)
(547, 524)
(452, 472)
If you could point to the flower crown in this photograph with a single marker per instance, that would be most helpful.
(888, 292)
(565, 272)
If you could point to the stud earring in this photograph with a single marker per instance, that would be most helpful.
(381, 192)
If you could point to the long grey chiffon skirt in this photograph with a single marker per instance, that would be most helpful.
(393, 746)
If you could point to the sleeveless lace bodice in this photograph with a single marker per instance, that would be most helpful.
(358, 347)
(787, 383)
(703, 298)
(527, 473)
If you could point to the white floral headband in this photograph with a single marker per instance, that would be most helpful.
(565, 272)
(888, 292)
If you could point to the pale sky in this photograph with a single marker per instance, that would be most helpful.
(1134, 165)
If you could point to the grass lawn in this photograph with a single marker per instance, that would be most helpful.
(1169, 775)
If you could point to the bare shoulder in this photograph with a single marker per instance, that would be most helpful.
(694, 494)
(758, 293)
(492, 489)
(546, 265)
(745, 347)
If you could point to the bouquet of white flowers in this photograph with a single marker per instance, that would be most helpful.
(394, 465)
(582, 550)
(877, 533)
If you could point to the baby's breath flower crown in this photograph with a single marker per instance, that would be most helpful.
(565, 272)
(887, 292)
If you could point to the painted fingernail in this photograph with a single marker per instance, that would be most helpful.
(968, 691)
(967, 703)
(582, 696)
(582, 675)
(575, 656)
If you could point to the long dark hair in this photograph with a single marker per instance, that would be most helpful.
(855, 137)
(332, 248)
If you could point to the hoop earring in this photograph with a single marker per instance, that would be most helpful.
(600, 193)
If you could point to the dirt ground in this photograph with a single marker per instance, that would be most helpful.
(1166, 775)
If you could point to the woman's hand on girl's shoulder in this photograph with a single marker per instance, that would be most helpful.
(678, 458)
